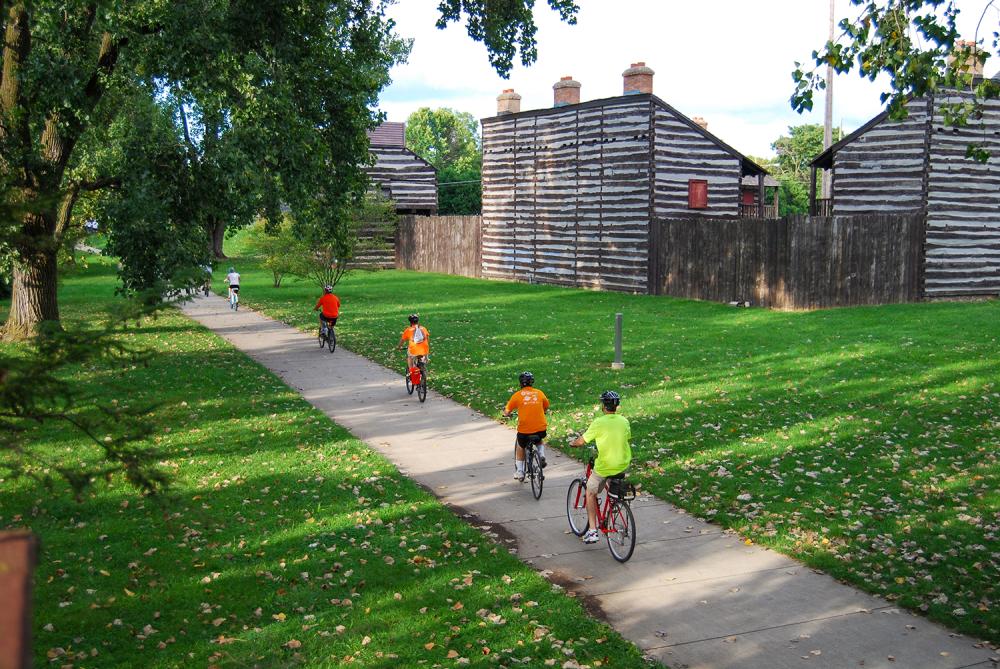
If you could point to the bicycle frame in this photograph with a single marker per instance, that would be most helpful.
(603, 506)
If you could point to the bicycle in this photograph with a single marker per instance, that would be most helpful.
(533, 465)
(614, 512)
(416, 378)
(234, 299)
(328, 336)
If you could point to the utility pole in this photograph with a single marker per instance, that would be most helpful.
(828, 121)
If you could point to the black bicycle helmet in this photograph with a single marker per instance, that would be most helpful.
(413, 319)
(610, 399)
(526, 379)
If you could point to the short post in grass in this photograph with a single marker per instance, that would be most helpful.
(618, 364)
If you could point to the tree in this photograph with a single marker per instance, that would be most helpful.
(325, 260)
(302, 78)
(791, 167)
(276, 247)
(449, 140)
(796, 151)
(914, 42)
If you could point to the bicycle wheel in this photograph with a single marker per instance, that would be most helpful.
(535, 472)
(322, 338)
(620, 524)
(422, 388)
(576, 507)
(331, 340)
(409, 383)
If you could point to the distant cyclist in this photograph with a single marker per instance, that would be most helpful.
(328, 306)
(614, 454)
(233, 280)
(417, 339)
(530, 405)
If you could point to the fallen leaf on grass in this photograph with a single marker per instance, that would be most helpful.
(293, 644)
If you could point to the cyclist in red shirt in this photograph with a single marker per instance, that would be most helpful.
(330, 305)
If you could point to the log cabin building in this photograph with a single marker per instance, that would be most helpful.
(919, 165)
(400, 174)
(569, 191)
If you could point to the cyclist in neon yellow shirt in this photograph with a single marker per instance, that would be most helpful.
(614, 454)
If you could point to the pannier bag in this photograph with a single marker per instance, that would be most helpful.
(621, 488)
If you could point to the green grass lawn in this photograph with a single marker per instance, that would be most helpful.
(862, 441)
(283, 541)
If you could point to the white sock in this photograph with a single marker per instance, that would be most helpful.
(519, 466)
(541, 450)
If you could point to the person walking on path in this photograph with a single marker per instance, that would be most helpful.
(530, 405)
(328, 306)
(612, 433)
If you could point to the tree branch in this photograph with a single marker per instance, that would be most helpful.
(72, 194)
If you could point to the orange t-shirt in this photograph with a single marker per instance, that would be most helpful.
(530, 404)
(414, 348)
(330, 304)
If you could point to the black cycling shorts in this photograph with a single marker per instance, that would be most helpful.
(235, 289)
(522, 437)
(331, 321)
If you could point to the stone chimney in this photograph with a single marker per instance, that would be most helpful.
(638, 79)
(972, 64)
(700, 122)
(508, 102)
(567, 92)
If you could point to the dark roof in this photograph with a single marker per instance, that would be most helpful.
(749, 166)
(825, 159)
(390, 133)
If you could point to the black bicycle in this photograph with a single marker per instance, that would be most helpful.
(328, 336)
(533, 470)
(416, 378)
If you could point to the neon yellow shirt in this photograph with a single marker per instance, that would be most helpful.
(612, 433)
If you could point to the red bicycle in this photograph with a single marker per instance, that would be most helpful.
(614, 512)
(416, 378)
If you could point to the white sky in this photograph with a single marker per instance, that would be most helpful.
(729, 61)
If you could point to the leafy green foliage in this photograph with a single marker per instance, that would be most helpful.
(862, 441)
(795, 152)
(791, 166)
(37, 388)
(508, 28)
(914, 43)
(449, 140)
(283, 541)
(273, 101)
(275, 247)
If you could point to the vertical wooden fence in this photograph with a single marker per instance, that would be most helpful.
(445, 244)
(796, 262)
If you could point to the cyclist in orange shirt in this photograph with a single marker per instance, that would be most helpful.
(330, 305)
(530, 405)
(419, 341)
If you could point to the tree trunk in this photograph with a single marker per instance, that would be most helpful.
(218, 234)
(34, 295)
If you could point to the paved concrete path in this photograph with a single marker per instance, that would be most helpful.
(691, 596)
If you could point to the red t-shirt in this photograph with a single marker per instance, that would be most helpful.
(330, 304)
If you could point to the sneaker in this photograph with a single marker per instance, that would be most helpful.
(591, 537)
(541, 460)
(519, 476)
